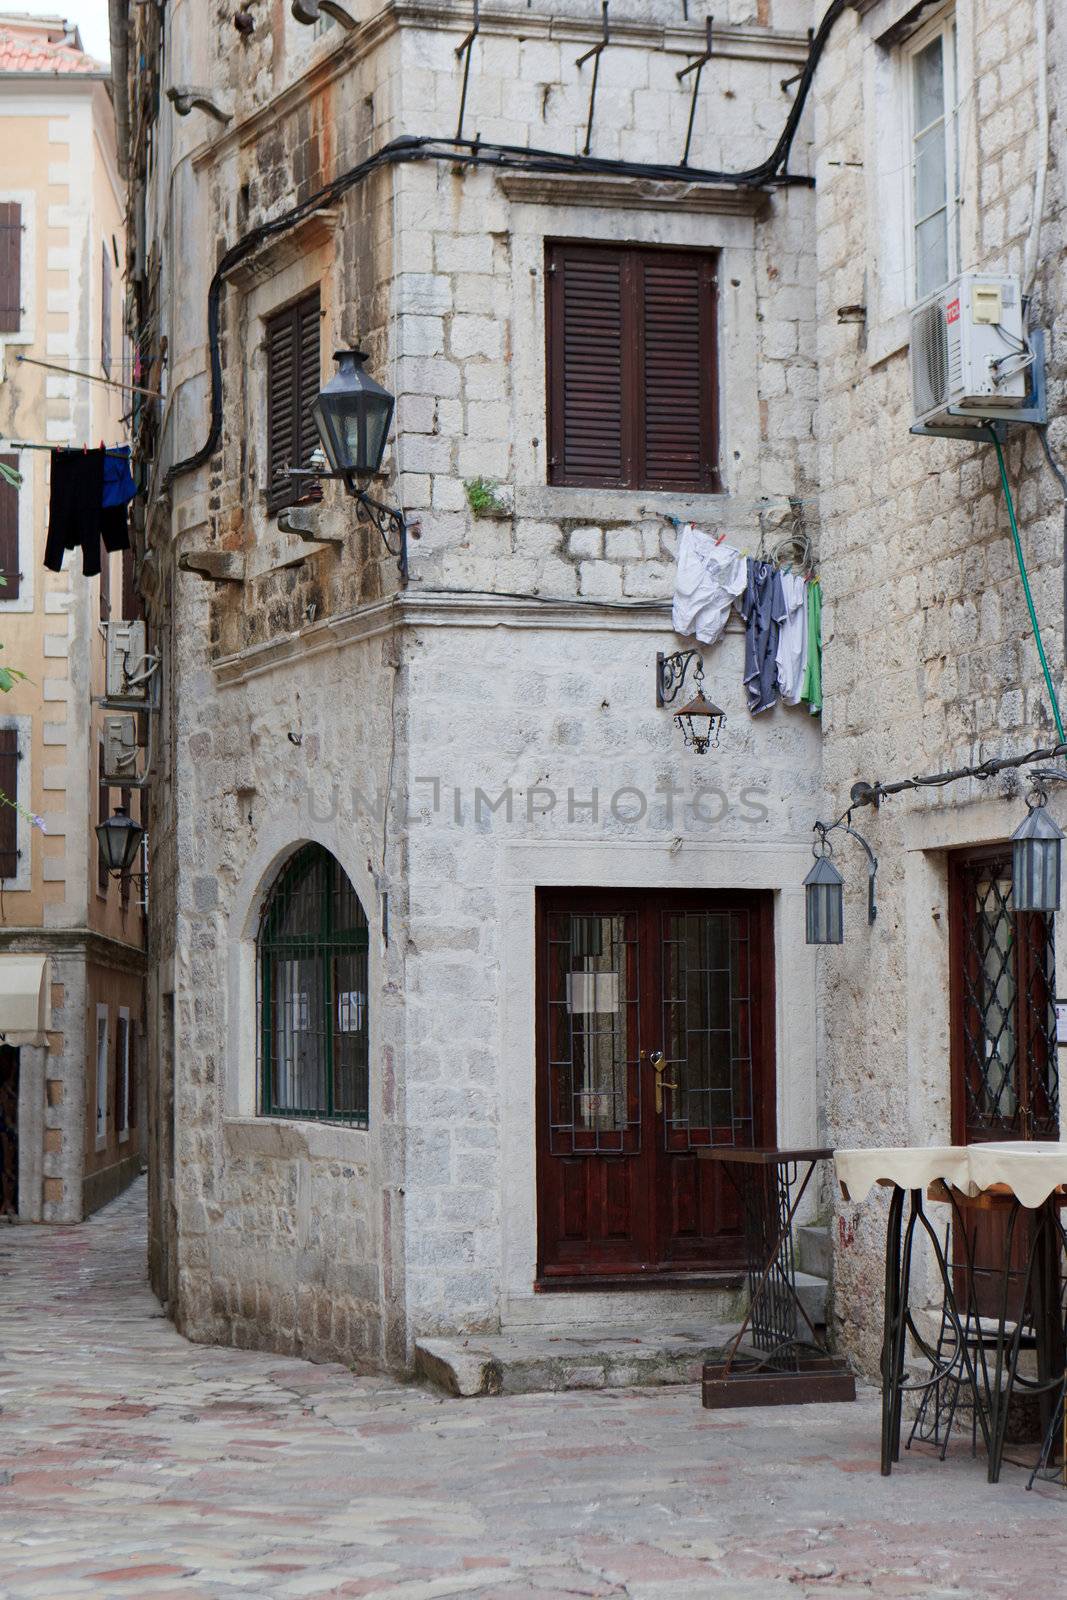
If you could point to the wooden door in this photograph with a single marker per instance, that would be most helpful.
(9, 1131)
(655, 1039)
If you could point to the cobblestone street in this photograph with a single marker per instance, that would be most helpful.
(134, 1463)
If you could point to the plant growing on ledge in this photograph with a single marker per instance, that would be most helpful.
(485, 498)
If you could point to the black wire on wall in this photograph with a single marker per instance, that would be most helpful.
(473, 152)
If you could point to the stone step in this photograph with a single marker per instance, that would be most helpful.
(814, 1294)
(814, 1249)
(534, 1361)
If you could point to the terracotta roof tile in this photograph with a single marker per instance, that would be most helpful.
(20, 52)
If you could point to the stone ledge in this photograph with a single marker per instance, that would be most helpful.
(286, 1140)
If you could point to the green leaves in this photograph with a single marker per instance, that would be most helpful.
(9, 475)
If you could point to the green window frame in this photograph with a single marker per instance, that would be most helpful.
(312, 975)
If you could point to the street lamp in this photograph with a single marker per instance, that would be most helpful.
(352, 414)
(120, 840)
(1035, 863)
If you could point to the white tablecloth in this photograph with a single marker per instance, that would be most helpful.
(1031, 1169)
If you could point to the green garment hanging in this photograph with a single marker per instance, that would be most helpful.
(811, 682)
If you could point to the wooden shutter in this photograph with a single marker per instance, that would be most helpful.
(10, 267)
(292, 384)
(131, 1080)
(9, 534)
(105, 585)
(103, 808)
(677, 448)
(632, 375)
(131, 599)
(105, 311)
(9, 818)
(587, 369)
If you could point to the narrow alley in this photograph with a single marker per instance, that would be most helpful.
(135, 1463)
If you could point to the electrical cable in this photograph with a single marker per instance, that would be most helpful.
(1026, 585)
(473, 152)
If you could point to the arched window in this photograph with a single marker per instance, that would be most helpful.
(312, 974)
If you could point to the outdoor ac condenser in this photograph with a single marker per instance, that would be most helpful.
(969, 355)
(127, 681)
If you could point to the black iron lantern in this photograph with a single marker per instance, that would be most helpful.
(352, 414)
(120, 840)
(700, 721)
(824, 895)
(1035, 860)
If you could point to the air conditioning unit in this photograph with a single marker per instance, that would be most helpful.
(120, 749)
(130, 672)
(969, 356)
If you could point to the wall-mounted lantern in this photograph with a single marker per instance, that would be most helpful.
(119, 837)
(1035, 858)
(824, 887)
(700, 720)
(352, 414)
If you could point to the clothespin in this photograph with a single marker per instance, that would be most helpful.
(720, 539)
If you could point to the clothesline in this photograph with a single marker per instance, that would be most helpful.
(108, 449)
(90, 377)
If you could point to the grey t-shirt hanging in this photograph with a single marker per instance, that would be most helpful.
(763, 608)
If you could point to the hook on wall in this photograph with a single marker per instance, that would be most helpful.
(696, 66)
(595, 54)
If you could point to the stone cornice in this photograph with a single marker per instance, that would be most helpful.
(97, 947)
(443, 609)
(634, 194)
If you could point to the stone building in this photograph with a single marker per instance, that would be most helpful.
(934, 1027)
(71, 938)
(431, 869)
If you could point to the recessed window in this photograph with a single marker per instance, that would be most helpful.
(9, 817)
(935, 157)
(632, 380)
(101, 1076)
(293, 381)
(313, 1001)
(122, 1074)
(105, 311)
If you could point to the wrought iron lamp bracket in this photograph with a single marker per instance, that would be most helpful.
(823, 829)
(671, 673)
(371, 511)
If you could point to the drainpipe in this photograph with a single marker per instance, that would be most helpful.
(119, 21)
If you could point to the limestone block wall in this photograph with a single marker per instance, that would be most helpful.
(930, 661)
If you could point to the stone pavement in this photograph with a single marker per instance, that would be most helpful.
(135, 1464)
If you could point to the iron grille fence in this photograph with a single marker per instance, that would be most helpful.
(313, 997)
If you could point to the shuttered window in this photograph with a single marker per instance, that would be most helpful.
(632, 375)
(131, 599)
(9, 534)
(103, 811)
(9, 817)
(292, 384)
(10, 267)
(105, 311)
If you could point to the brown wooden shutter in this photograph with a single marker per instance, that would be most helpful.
(105, 310)
(9, 534)
(587, 365)
(10, 267)
(292, 383)
(9, 818)
(131, 599)
(632, 378)
(676, 426)
(103, 808)
(131, 1082)
(105, 585)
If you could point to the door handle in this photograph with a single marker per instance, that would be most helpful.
(661, 1084)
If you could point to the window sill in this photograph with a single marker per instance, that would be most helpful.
(285, 1138)
(549, 501)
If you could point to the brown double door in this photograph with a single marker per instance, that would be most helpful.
(655, 1040)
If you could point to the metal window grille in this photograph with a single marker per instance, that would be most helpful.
(707, 1027)
(1008, 966)
(313, 995)
(593, 1031)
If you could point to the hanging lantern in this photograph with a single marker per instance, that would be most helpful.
(1035, 861)
(824, 894)
(119, 839)
(700, 721)
(352, 414)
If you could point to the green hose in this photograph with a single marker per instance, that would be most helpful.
(1026, 587)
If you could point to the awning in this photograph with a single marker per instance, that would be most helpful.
(25, 999)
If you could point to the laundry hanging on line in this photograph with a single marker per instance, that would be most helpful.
(88, 499)
(782, 611)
